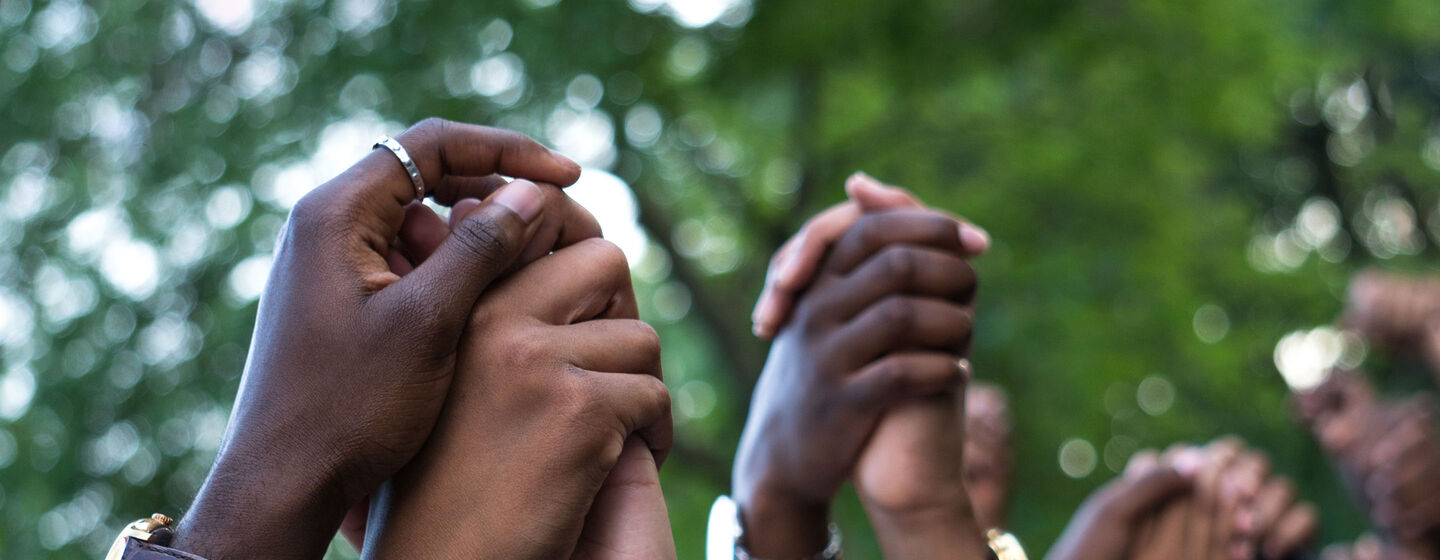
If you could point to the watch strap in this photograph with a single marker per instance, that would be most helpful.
(136, 549)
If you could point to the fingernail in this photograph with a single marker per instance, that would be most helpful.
(973, 238)
(521, 197)
(965, 371)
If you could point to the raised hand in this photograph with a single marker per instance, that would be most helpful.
(798, 259)
(1109, 525)
(878, 326)
(554, 375)
(1235, 510)
(1402, 476)
(350, 363)
(1388, 453)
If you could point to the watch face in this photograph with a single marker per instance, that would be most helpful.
(723, 530)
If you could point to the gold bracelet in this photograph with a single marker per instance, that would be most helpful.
(1005, 545)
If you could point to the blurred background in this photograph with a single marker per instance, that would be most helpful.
(1173, 189)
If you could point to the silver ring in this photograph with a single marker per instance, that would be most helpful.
(405, 160)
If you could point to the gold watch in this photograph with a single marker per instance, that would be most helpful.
(154, 529)
(1004, 545)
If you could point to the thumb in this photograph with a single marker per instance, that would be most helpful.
(872, 195)
(479, 249)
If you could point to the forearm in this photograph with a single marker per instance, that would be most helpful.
(942, 533)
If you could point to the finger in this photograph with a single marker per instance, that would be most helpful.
(1246, 476)
(422, 233)
(570, 224)
(873, 195)
(564, 223)
(1126, 500)
(367, 199)
(583, 281)
(906, 375)
(614, 345)
(1404, 476)
(873, 232)
(1274, 499)
(455, 188)
(1141, 463)
(442, 148)
(462, 208)
(898, 269)
(1202, 530)
(1295, 529)
(641, 404)
(628, 518)
(795, 264)
(440, 293)
(1414, 524)
(1398, 442)
(900, 322)
(398, 262)
(1418, 482)
(814, 238)
(1168, 530)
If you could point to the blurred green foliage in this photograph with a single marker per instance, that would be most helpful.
(1172, 187)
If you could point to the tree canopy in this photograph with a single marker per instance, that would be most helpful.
(1172, 187)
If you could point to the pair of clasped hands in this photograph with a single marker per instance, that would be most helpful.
(485, 388)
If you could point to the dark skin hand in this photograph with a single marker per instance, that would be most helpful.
(1387, 452)
(555, 373)
(797, 261)
(628, 519)
(1110, 523)
(1403, 482)
(350, 363)
(879, 325)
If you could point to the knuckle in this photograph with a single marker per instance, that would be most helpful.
(577, 397)
(900, 264)
(969, 281)
(313, 220)
(897, 315)
(657, 394)
(308, 211)
(527, 349)
(887, 377)
(607, 255)
(941, 229)
(647, 341)
(429, 126)
(869, 230)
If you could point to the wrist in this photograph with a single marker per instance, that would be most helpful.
(264, 508)
(937, 532)
(778, 524)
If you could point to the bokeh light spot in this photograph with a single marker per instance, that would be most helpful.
(1077, 458)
